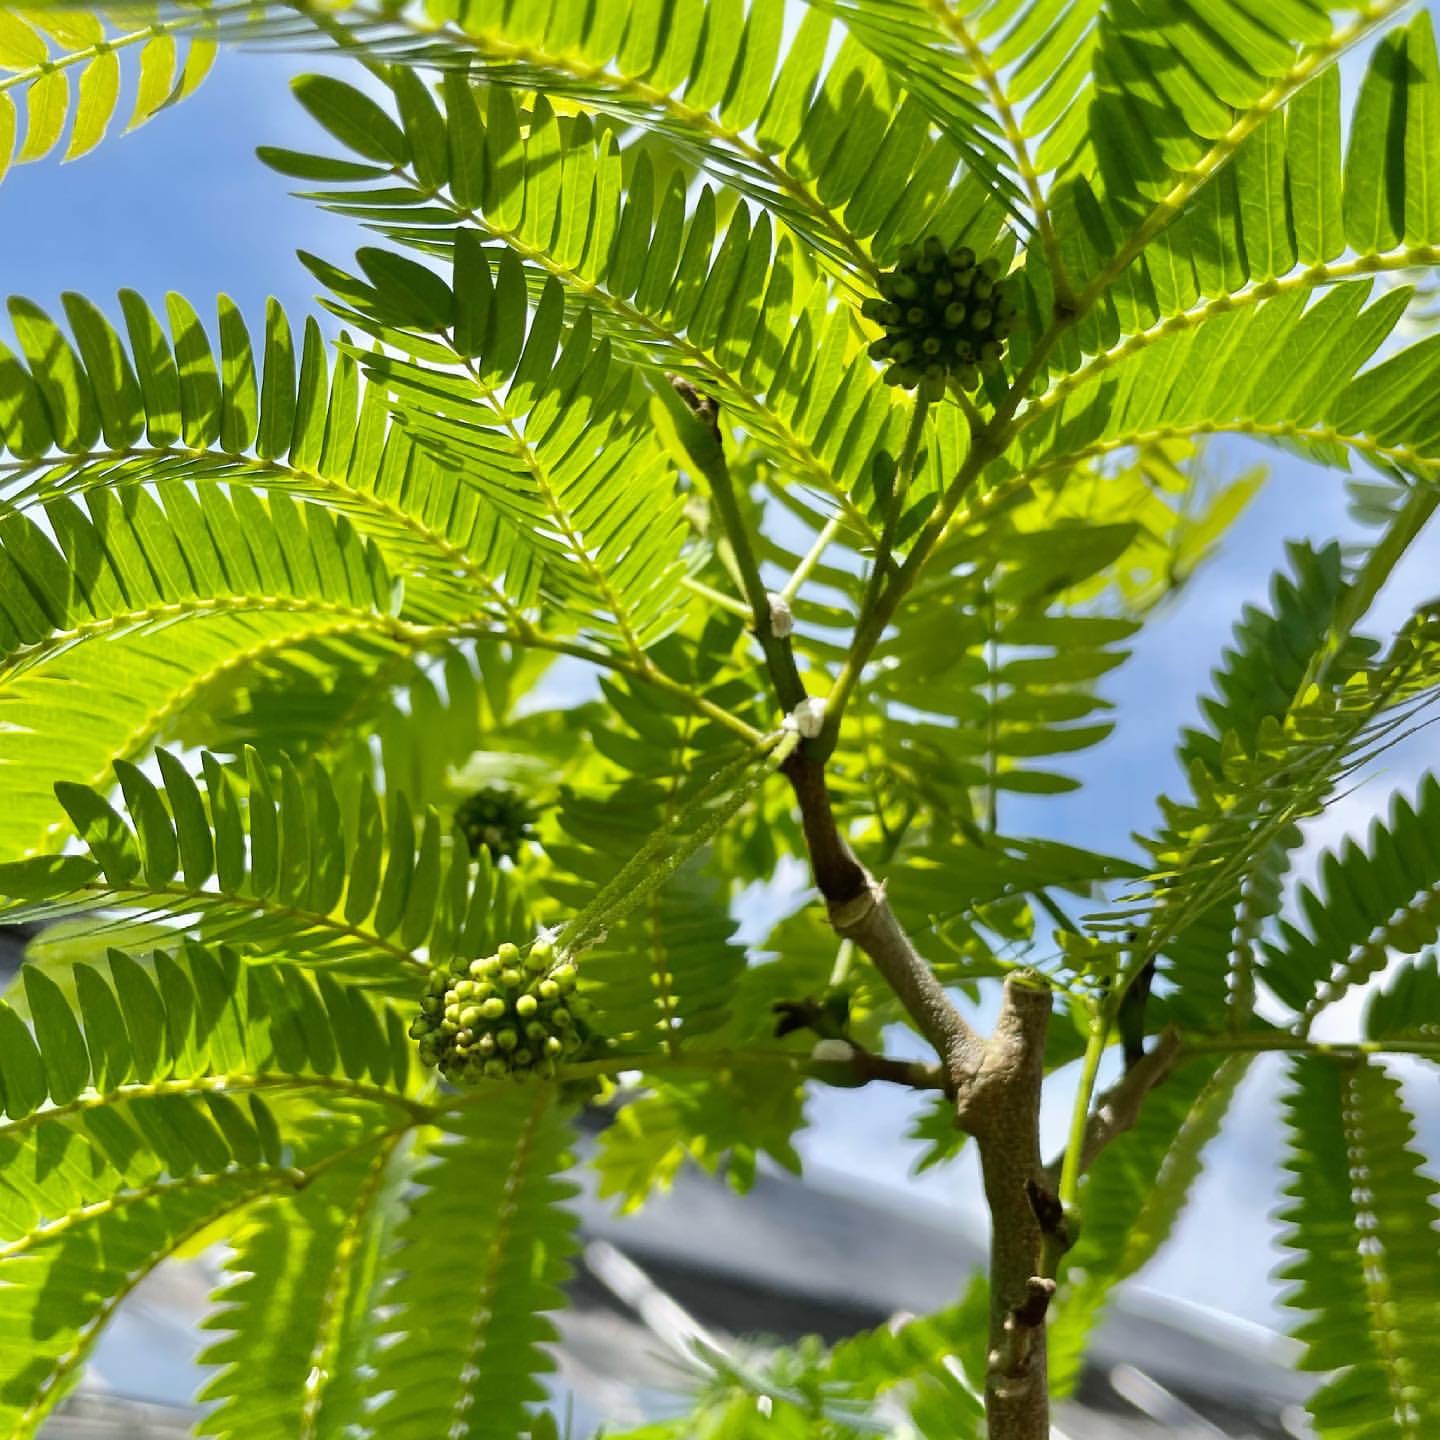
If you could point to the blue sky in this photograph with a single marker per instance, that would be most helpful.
(183, 204)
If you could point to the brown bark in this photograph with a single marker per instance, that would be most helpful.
(1001, 1108)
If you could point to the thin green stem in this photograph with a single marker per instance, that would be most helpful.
(715, 597)
(1072, 1166)
(708, 455)
(812, 558)
(1261, 1041)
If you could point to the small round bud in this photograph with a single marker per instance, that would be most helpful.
(526, 1006)
(934, 247)
(471, 1016)
(902, 351)
(542, 952)
(549, 990)
(522, 1058)
(511, 979)
(942, 289)
(493, 1008)
(982, 289)
(930, 345)
(916, 315)
(506, 1039)
(554, 1046)
(879, 349)
(909, 254)
(980, 320)
(565, 977)
(906, 287)
(990, 268)
(508, 953)
(495, 1069)
(954, 314)
(962, 257)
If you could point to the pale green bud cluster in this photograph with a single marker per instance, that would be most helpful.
(503, 1015)
(944, 314)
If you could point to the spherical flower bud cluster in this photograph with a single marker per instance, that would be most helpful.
(943, 314)
(503, 1015)
(497, 818)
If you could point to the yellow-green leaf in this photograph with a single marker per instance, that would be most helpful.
(99, 90)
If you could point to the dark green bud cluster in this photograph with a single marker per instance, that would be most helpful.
(944, 314)
(504, 1015)
(497, 818)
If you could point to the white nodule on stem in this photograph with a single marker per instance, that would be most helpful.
(808, 718)
(782, 622)
(841, 1051)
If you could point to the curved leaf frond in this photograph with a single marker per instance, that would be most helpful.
(484, 1249)
(147, 1107)
(1362, 1219)
(275, 863)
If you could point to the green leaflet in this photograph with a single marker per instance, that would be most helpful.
(131, 602)
(928, 1368)
(547, 432)
(1132, 1199)
(318, 436)
(721, 1123)
(1366, 1271)
(353, 893)
(299, 1314)
(1407, 1007)
(1280, 747)
(74, 76)
(1299, 384)
(1287, 199)
(203, 1085)
(1370, 902)
(698, 77)
(483, 1251)
(648, 277)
